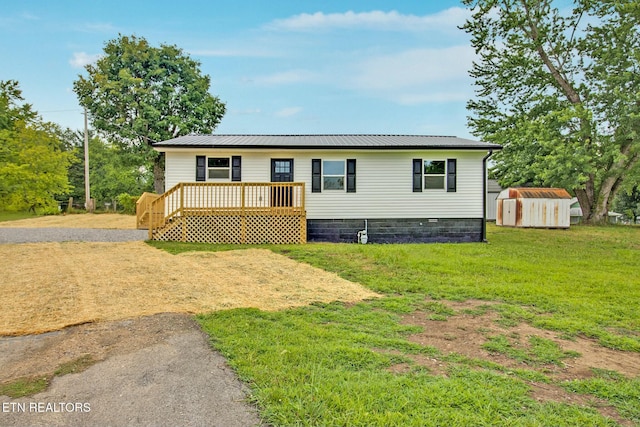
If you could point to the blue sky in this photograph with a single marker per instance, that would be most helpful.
(282, 66)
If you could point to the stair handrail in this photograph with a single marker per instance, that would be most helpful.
(158, 206)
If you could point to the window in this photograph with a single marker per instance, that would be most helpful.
(218, 167)
(333, 174)
(434, 175)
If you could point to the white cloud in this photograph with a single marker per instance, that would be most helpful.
(417, 76)
(415, 67)
(378, 20)
(288, 112)
(81, 59)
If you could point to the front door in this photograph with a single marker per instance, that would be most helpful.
(282, 171)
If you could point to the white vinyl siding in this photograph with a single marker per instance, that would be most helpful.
(384, 180)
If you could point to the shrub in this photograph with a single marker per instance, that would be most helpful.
(127, 203)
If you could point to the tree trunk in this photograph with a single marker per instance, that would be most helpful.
(158, 174)
(595, 202)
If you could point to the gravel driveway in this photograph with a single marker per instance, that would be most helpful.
(34, 235)
(174, 380)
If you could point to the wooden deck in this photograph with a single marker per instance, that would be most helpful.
(251, 213)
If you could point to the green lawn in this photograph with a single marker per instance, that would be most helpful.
(329, 364)
(12, 216)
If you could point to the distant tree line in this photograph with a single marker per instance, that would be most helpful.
(136, 94)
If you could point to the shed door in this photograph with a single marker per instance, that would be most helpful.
(509, 212)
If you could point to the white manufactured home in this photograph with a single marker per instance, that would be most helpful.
(341, 188)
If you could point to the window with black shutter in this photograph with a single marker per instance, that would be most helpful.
(451, 175)
(236, 168)
(417, 175)
(351, 175)
(201, 168)
(316, 176)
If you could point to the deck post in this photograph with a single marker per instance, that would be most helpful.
(303, 216)
(151, 224)
(182, 218)
(243, 215)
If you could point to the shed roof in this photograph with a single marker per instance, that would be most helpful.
(534, 193)
(337, 141)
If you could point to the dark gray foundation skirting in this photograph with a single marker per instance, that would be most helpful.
(402, 230)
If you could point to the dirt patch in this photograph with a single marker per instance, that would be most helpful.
(465, 334)
(110, 221)
(47, 286)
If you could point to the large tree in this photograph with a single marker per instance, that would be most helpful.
(559, 88)
(138, 94)
(33, 161)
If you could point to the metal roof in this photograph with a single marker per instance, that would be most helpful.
(534, 193)
(339, 141)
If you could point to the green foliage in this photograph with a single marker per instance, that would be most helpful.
(112, 170)
(138, 94)
(33, 160)
(628, 203)
(559, 95)
(128, 203)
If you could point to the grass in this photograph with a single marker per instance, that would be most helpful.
(333, 364)
(12, 216)
(539, 351)
(28, 386)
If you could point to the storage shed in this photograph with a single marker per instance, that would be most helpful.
(534, 207)
(493, 191)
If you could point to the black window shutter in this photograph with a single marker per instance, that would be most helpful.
(351, 175)
(417, 175)
(451, 175)
(316, 176)
(236, 168)
(201, 168)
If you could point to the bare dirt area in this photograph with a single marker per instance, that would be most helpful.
(103, 220)
(47, 286)
(465, 334)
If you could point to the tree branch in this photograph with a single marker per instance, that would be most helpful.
(533, 32)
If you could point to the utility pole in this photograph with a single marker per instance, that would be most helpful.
(87, 192)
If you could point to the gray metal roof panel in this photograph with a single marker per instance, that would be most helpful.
(336, 141)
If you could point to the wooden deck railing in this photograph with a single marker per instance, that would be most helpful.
(143, 205)
(196, 208)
